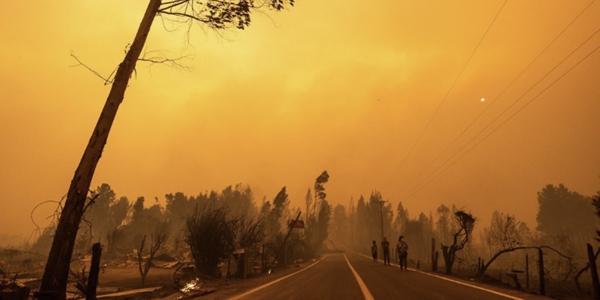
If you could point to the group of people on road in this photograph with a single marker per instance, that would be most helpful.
(401, 249)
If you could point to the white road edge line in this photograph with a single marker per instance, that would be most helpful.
(240, 296)
(361, 283)
(470, 285)
(452, 280)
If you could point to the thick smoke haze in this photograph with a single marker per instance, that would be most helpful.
(383, 96)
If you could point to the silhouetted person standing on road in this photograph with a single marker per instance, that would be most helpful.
(402, 248)
(385, 245)
(374, 252)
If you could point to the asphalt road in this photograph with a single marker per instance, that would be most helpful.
(352, 276)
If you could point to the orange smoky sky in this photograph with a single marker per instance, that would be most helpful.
(384, 95)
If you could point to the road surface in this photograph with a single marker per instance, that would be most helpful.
(353, 276)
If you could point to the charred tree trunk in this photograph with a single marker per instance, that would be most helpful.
(592, 264)
(449, 253)
(54, 280)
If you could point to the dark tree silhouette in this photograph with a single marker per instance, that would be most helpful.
(275, 217)
(339, 224)
(211, 236)
(320, 189)
(466, 223)
(157, 240)
(323, 218)
(320, 216)
(565, 215)
(505, 234)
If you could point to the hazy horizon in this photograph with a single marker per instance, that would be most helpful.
(372, 94)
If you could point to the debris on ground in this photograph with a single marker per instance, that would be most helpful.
(190, 295)
(13, 291)
(130, 292)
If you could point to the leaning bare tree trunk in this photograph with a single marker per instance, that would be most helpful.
(54, 281)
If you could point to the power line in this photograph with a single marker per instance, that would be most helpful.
(421, 185)
(500, 95)
(446, 96)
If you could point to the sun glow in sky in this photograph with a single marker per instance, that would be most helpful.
(348, 88)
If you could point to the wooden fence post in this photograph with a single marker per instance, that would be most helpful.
(595, 283)
(94, 270)
(541, 270)
(527, 271)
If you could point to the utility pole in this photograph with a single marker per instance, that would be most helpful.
(286, 237)
(381, 209)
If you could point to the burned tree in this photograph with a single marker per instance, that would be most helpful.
(211, 237)
(318, 221)
(506, 234)
(157, 240)
(320, 189)
(466, 223)
(216, 14)
(250, 232)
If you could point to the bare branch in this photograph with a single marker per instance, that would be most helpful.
(584, 269)
(40, 204)
(556, 251)
(485, 267)
(157, 57)
(92, 201)
(38, 230)
(171, 4)
(219, 14)
(179, 14)
(107, 80)
(157, 239)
